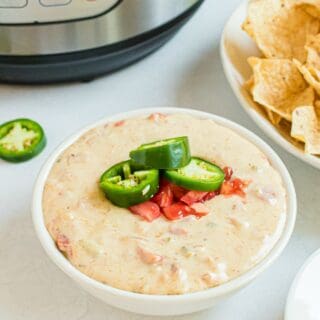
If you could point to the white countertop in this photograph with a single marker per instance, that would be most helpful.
(186, 72)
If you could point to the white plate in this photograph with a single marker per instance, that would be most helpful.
(303, 299)
(236, 47)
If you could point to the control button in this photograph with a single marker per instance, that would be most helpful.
(54, 3)
(13, 3)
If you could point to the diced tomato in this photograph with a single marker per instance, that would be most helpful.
(178, 192)
(147, 210)
(234, 187)
(164, 182)
(119, 123)
(200, 209)
(228, 173)
(226, 188)
(164, 196)
(238, 184)
(210, 195)
(239, 187)
(193, 197)
(177, 211)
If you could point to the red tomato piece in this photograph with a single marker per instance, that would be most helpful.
(147, 210)
(164, 197)
(226, 188)
(234, 187)
(239, 186)
(210, 195)
(193, 197)
(228, 173)
(200, 209)
(177, 211)
(164, 182)
(178, 192)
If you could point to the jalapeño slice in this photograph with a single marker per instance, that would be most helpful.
(198, 175)
(164, 154)
(21, 140)
(126, 184)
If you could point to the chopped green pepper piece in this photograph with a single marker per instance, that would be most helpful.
(125, 189)
(126, 170)
(21, 140)
(198, 175)
(164, 154)
(115, 179)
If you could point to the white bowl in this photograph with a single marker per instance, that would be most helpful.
(162, 304)
(303, 297)
(236, 46)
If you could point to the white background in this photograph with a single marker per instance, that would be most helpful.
(186, 72)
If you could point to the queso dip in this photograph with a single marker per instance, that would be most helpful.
(118, 248)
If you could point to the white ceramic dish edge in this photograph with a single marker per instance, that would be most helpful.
(289, 310)
(159, 304)
(230, 72)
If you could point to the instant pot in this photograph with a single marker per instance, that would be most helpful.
(45, 41)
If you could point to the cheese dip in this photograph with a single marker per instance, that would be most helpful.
(120, 249)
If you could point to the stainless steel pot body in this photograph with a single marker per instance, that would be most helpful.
(42, 35)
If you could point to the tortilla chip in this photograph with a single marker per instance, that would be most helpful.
(280, 29)
(302, 117)
(279, 86)
(313, 55)
(284, 128)
(248, 85)
(314, 71)
(273, 117)
(313, 51)
(311, 69)
(305, 128)
(317, 109)
(247, 27)
(312, 7)
(314, 83)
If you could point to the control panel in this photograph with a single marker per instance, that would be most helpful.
(43, 11)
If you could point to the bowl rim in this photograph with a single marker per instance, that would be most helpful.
(63, 263)
(293, 289)
(259, 120)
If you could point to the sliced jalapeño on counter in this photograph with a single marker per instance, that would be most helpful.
(199, 175)
(21, 140)
(126, 184)
(163, 154)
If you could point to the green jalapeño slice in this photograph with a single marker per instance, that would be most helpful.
(21, 140)
(198, 175)
(126, 184)
(164, 154)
